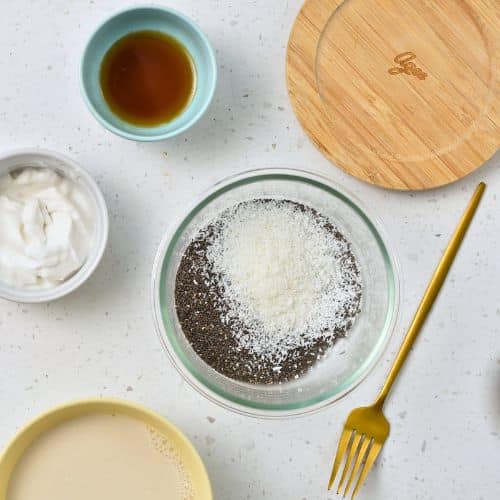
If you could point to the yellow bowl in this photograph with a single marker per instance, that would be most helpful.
(192, 461)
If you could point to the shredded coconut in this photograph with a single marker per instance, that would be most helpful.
(287, 276)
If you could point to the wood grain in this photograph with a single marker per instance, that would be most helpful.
(417, 121)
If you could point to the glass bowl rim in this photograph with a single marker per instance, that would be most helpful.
(212, 392)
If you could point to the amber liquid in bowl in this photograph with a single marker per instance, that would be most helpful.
(147, 78)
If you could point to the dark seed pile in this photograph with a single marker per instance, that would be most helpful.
(200, 309)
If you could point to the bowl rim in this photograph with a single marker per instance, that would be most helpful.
(211, 84)
(266, 410)
(88, 406)
(102, 221)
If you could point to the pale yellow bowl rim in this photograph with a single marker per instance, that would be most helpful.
(49, 419)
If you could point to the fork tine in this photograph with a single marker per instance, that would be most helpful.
(352, 452)
(361, 455)
(341, 449)
(372, 456)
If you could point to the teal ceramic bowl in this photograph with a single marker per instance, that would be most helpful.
(152, 18)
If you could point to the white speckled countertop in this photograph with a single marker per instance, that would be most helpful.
(445, 411)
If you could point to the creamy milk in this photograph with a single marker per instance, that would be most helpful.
(100, 457)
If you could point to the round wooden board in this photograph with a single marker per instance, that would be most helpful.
(400, 93)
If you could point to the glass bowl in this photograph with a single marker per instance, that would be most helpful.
(349, 360)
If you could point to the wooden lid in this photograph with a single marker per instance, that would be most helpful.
(399, 93)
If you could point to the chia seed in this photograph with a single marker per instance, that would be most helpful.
(202, 312)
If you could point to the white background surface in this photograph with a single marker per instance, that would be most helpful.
(445, 411)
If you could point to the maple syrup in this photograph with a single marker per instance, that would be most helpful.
(147, 78)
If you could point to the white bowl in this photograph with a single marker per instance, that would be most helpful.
(13, 160)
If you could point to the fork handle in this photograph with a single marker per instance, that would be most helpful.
(432, 291)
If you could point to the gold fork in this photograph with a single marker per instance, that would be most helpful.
(366, 429)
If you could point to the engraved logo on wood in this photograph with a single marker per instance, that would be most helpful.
(407, 66)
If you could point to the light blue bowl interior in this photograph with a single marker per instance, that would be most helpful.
(156, 19)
